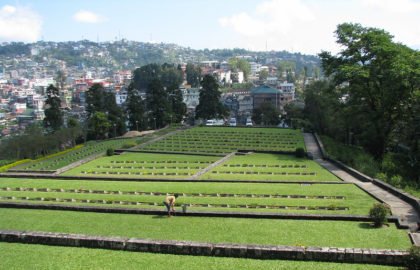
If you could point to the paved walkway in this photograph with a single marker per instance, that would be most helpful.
(407, 214)
(211, 166)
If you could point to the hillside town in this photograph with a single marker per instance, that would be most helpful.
(25, 77)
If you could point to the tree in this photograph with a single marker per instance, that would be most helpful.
(240, 64)
(144, 75)
(157, 104)
(263, 75)
(100, 100)
(60, 79)
(193, 75)
(209, 101)
(99, 125)
(266, 114)
(135, 109)
(178, 108)
(377, 77)
(53, 116)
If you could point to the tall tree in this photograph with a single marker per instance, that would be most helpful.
(100, 125)
(144, 75)
(193, 75)
(178, 108)
(377, 77)
(53, 115)
(266, 114)
(157, 104)
(135, 109)
(210, 105)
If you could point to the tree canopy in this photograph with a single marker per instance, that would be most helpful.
(376, 78)
(53, 115)
(210, 105)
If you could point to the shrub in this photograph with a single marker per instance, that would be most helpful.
(110, 152)
(413, 259)
(14, 164)
(378, 213)
(300, 152)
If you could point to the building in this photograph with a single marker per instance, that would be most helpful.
(266, 94)
(191, 97)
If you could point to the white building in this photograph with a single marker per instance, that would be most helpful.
(191, 97)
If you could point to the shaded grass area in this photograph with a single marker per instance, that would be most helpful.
(258, 166)
(223, 140)
(357, 201)
(144, 165)
(21, 256)
(215, 230)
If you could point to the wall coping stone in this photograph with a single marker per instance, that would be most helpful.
(328, 254)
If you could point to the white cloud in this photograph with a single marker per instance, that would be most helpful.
(19, 23)
(85, 16)
(400, 6)
(308, 26)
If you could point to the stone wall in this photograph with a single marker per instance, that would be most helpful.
(220, 214)
(413, 201)
(327, 254)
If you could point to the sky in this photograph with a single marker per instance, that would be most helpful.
(305, 26)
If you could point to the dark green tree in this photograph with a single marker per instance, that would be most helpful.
(135, 109)
(265, 115)
(210, 105)
(170, 76)
(100, 125)
(178, 108)
(53, 115)
(157, 104)
(377, 79)
(193, 75)
(143, 76)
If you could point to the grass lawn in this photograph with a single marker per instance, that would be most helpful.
(144, 165)
(258, 166)
(222, 140)
(21, 256)
(338, 195)
(214, 230)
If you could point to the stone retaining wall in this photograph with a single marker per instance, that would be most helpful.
(413, 201)
(258, 215)
(327, 254)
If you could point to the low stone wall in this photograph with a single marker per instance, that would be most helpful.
(327, 254)
(258, 215)
(413, 201)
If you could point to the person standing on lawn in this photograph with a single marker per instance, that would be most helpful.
(169, 202)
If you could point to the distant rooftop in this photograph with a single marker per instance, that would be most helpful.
(264, 89)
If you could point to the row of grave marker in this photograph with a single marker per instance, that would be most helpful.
(48, 199)
(119, 192)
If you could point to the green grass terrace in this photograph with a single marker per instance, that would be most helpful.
(223, 140)
(144, 165)
(212, 230)
(269, 167)
(343, 199)
(23, 256)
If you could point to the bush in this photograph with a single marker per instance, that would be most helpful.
(378, 213)
(110, 152)
(413, 259)
(300, 152)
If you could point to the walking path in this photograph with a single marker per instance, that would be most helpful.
(211, 166)
(407, 214)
